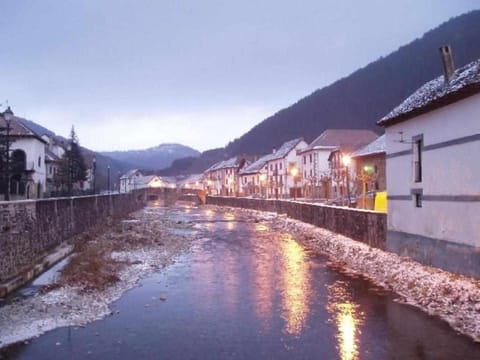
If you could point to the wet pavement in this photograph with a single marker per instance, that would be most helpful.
(246, 292)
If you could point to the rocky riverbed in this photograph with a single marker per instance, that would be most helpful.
(108, 264)
(102, 268)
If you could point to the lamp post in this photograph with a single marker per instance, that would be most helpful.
(108, 178)
(94, 174)
(263, 177)
(346, 159)
(294, 173)
(7, 116)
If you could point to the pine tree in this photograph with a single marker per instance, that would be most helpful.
(72, 168)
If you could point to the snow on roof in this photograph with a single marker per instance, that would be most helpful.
(377, 146)
(230, 163)
(256, 166)
(437, 93)
(285, 149)
(350, 139)
(130, 173)
(19, 129)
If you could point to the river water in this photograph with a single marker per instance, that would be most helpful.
(247, 292)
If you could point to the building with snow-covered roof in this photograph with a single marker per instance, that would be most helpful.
(432, 145)
(222, 178)
(370, 174)
(129, 180)
(348, 141)
(280, 167)
(253, 178)
(27, 156)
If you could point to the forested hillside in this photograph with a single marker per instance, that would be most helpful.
(359, 100)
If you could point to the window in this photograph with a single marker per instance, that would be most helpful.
(304, 159)
(310, 158)
(418, 200)
(417, 197)
(280, 166)
(417, 158)
(39, 161)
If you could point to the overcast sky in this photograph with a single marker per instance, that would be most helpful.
(134, 74)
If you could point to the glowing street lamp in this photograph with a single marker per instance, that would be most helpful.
(262, 178)
(294, 173)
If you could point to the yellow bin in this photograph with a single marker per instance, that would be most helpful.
(381, 201)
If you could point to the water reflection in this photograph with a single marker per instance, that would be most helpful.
(296, 286)
(230, 218)
(346, 318)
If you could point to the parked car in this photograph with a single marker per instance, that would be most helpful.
(343, 201)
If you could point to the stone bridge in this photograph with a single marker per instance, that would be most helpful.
(169, 196)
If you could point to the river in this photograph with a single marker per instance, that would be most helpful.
(245, 291)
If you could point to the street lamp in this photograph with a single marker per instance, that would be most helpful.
(94, 173)
(294, 173)
(262, 178)
(346, 159)
(7, 115)
(108, 178)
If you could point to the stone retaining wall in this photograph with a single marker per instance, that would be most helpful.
(30, 229)
(361, 225)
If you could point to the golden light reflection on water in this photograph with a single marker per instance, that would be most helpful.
(261, 227)
(209, 213)
(264, 289)
(347, 319)
(296, 285)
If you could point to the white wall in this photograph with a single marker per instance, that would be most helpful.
(35, 160)
(448, 171)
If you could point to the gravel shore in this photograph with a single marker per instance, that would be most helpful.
(151, 239)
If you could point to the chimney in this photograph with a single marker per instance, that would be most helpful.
(447, 61)
(274, 151)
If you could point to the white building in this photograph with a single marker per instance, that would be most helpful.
(222, 178)
(194, 182)
(130, 180)
(253, 178)
(281, 164)
(27, 156)
(433, 172)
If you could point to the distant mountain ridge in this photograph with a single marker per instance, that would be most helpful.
(154, 158)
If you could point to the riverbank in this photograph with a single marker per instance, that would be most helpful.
(151, 239)
(103, 267)
(450, 297)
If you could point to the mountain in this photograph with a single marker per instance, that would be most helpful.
(362, 98)
(158, 157)
(104, 164)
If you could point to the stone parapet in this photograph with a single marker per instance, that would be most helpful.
(362, 225)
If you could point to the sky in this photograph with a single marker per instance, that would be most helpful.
(132, 74)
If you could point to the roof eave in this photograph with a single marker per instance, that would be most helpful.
(463, 93)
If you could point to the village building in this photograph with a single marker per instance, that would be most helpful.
(432, 143)
(222, 178)
(194, 182)
(27, 157)
(342, 172)
(129, 181)
(370, 172)
(253, 178)
(283, 170)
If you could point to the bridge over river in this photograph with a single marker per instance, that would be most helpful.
(246, 291)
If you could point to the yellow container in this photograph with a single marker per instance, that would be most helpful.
(381, 201)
